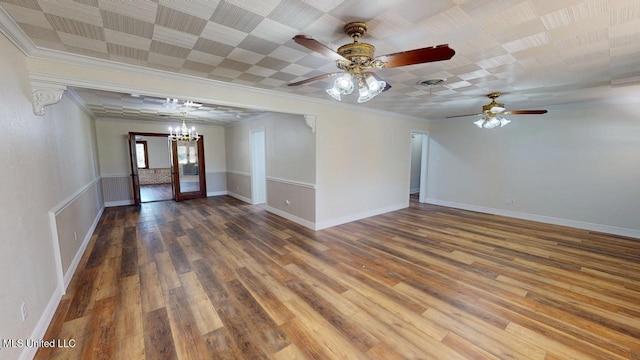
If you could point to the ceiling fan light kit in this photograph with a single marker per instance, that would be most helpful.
(357, 60)
(493, 113)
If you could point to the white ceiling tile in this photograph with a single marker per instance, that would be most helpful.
(72, 10)
(509, 17)
(174, 37)
(245, 56)
(144, 10)
(199, 8)
(83, 42)
(528, 42)
(223, 34)
(205, 58)
(128, 40)
(274, 31)
(27, 16)
(169, 61)
(262, 7)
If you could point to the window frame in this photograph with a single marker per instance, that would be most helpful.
(146, 153)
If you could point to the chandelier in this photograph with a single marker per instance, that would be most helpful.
(183, 133)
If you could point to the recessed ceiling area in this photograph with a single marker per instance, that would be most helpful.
(137, 107)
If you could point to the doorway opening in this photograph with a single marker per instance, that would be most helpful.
(164, 170)
(419, 156)
(258, 166)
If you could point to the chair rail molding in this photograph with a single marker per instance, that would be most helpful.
(44, 94)
(311, 122)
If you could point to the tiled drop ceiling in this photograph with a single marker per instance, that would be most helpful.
(537, 52)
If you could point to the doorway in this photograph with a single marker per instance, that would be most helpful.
(258, 166)
(156, 173)
(419, 156)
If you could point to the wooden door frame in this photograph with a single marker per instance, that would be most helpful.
(135, 181)
(175, 173)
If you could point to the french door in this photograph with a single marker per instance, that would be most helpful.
(187, 169)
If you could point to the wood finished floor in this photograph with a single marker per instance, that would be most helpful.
(219, 279)
(156, 192)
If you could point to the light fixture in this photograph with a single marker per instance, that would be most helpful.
(491, 120)
(368, 86)
(183, 133)
(342, 86)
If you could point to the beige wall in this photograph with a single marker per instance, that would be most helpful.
(362, 157)
(290, 164)
(48, 161)
(576, 165)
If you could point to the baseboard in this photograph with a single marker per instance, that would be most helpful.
(298, 220)
(613, 230)
(76, 259)
(414, 191)
(118, 203)
(239, 197)
(217, 193)
(29, 352)
(359, 216)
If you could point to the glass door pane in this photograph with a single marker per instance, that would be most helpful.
(188, 166)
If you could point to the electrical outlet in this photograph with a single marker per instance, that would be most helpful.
(287, 202)
(23, 310)
(509, 201)
(75, 236)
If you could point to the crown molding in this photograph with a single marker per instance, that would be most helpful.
(15, 34)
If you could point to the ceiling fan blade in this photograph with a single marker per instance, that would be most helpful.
(524, 112)
(457, 116)
(314, 45)
(315, 78)
(417, 56)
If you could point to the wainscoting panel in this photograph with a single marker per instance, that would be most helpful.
(239, 185)
(74, 222)
(296, 199)
(117, 190)
(216, 183)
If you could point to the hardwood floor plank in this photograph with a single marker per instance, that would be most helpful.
(216, 278)
(158, 338)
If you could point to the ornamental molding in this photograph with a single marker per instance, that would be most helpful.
(311, 122)
(43, 94)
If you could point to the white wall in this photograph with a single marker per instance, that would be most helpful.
(47, 161)
(157, 151)
(578, 165)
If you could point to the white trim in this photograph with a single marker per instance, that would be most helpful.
(13, 32)
(109, 176)
(291, 182)
(239, 197)
(414, 190)
(57, 254)
(295, 219)
(238, 173)
(75, 98)
(68, 201)
(29, 352)
(216, 193)
(118, 203)
(359, 216)
(76, 259)
(216, 172)
(614, 230)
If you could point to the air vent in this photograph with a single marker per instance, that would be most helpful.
(431, 82)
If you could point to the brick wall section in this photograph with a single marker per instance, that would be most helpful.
(154, 176)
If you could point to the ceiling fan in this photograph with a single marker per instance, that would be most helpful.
(356, 60)
(493, 113)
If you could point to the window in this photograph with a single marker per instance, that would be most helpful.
(142, 154)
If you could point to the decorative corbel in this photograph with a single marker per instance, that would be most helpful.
(43, 94)
(311, 122)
